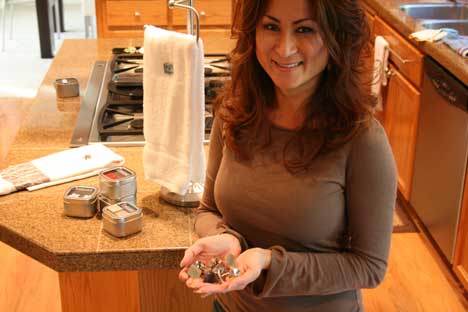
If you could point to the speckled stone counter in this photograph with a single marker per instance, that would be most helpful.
(389, 10)
(34, 223)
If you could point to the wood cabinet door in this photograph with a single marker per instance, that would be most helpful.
(401, 123)
(403, 54)
(125, 18)
(212, 13)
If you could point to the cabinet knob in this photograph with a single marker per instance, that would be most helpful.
(202, 13)
(137, 14)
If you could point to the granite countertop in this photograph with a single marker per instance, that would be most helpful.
(34, 223)
(390, 12)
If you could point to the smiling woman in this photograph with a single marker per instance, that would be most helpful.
(291, 50)
(301, 181)
(285, 52)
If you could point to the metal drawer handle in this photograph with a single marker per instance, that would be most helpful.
(402, 60)
(389, 72)
(202, 13)
(137, 14)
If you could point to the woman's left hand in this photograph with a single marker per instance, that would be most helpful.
(250, 263)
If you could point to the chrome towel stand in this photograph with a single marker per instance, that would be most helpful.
(195, 190)
(183, 4)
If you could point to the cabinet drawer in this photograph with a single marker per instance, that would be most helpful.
(135, 13)
(212, 13)
(406, 58)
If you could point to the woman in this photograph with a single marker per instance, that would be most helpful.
(301, 181)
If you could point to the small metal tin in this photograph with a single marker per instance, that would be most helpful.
(103, 201)
(117, 183)
(67, 87)
(80, 201)
(122, 219)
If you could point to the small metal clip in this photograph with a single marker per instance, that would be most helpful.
(168, 68)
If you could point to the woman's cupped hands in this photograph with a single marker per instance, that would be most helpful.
(250, 263)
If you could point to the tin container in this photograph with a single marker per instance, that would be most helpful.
(117, 183)
(122, 219)
(67, 87)
(80, 201)
(103, 201)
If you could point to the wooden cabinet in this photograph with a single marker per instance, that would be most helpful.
(460, 261)
(122, 291)
(403, 55)
(213, 13)
(134, 14)
(401, 101)
(119, 18)
(401, 123)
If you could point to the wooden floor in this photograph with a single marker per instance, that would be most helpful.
(415, 282)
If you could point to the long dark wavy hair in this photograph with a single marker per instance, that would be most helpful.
(339, 108)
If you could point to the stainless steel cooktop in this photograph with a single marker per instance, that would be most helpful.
(111, 111)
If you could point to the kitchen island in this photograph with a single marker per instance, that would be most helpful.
(97, 272)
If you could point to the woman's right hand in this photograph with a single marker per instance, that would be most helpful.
(207, 248)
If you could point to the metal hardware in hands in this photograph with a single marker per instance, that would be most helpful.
(217, 271)
(187, 4)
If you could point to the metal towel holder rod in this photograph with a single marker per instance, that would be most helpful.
(182, 4)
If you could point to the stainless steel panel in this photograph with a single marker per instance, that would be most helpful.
(436, 10)
(441, 156)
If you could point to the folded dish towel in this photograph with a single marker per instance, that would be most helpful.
(58, 168)
(381, 52)
(173, 109)
(429, 35)
(433, 35)
(458, 44)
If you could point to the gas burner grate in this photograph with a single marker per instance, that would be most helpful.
(131, 91)
(118, 119)
(121, 119)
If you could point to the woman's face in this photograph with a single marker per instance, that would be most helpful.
(289, 46)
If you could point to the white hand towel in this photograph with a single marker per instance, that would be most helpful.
(6, 187)
(173, 109)
(58, 168)
(381, 52)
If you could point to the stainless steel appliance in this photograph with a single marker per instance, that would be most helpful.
(441, 155)
(111, 111)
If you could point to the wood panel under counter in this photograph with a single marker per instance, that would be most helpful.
(137, 273)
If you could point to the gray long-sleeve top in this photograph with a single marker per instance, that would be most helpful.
(329, 229)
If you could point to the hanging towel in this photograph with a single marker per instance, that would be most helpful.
(173, 109)
(60, 167)
(458, 44)
(381, 51)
